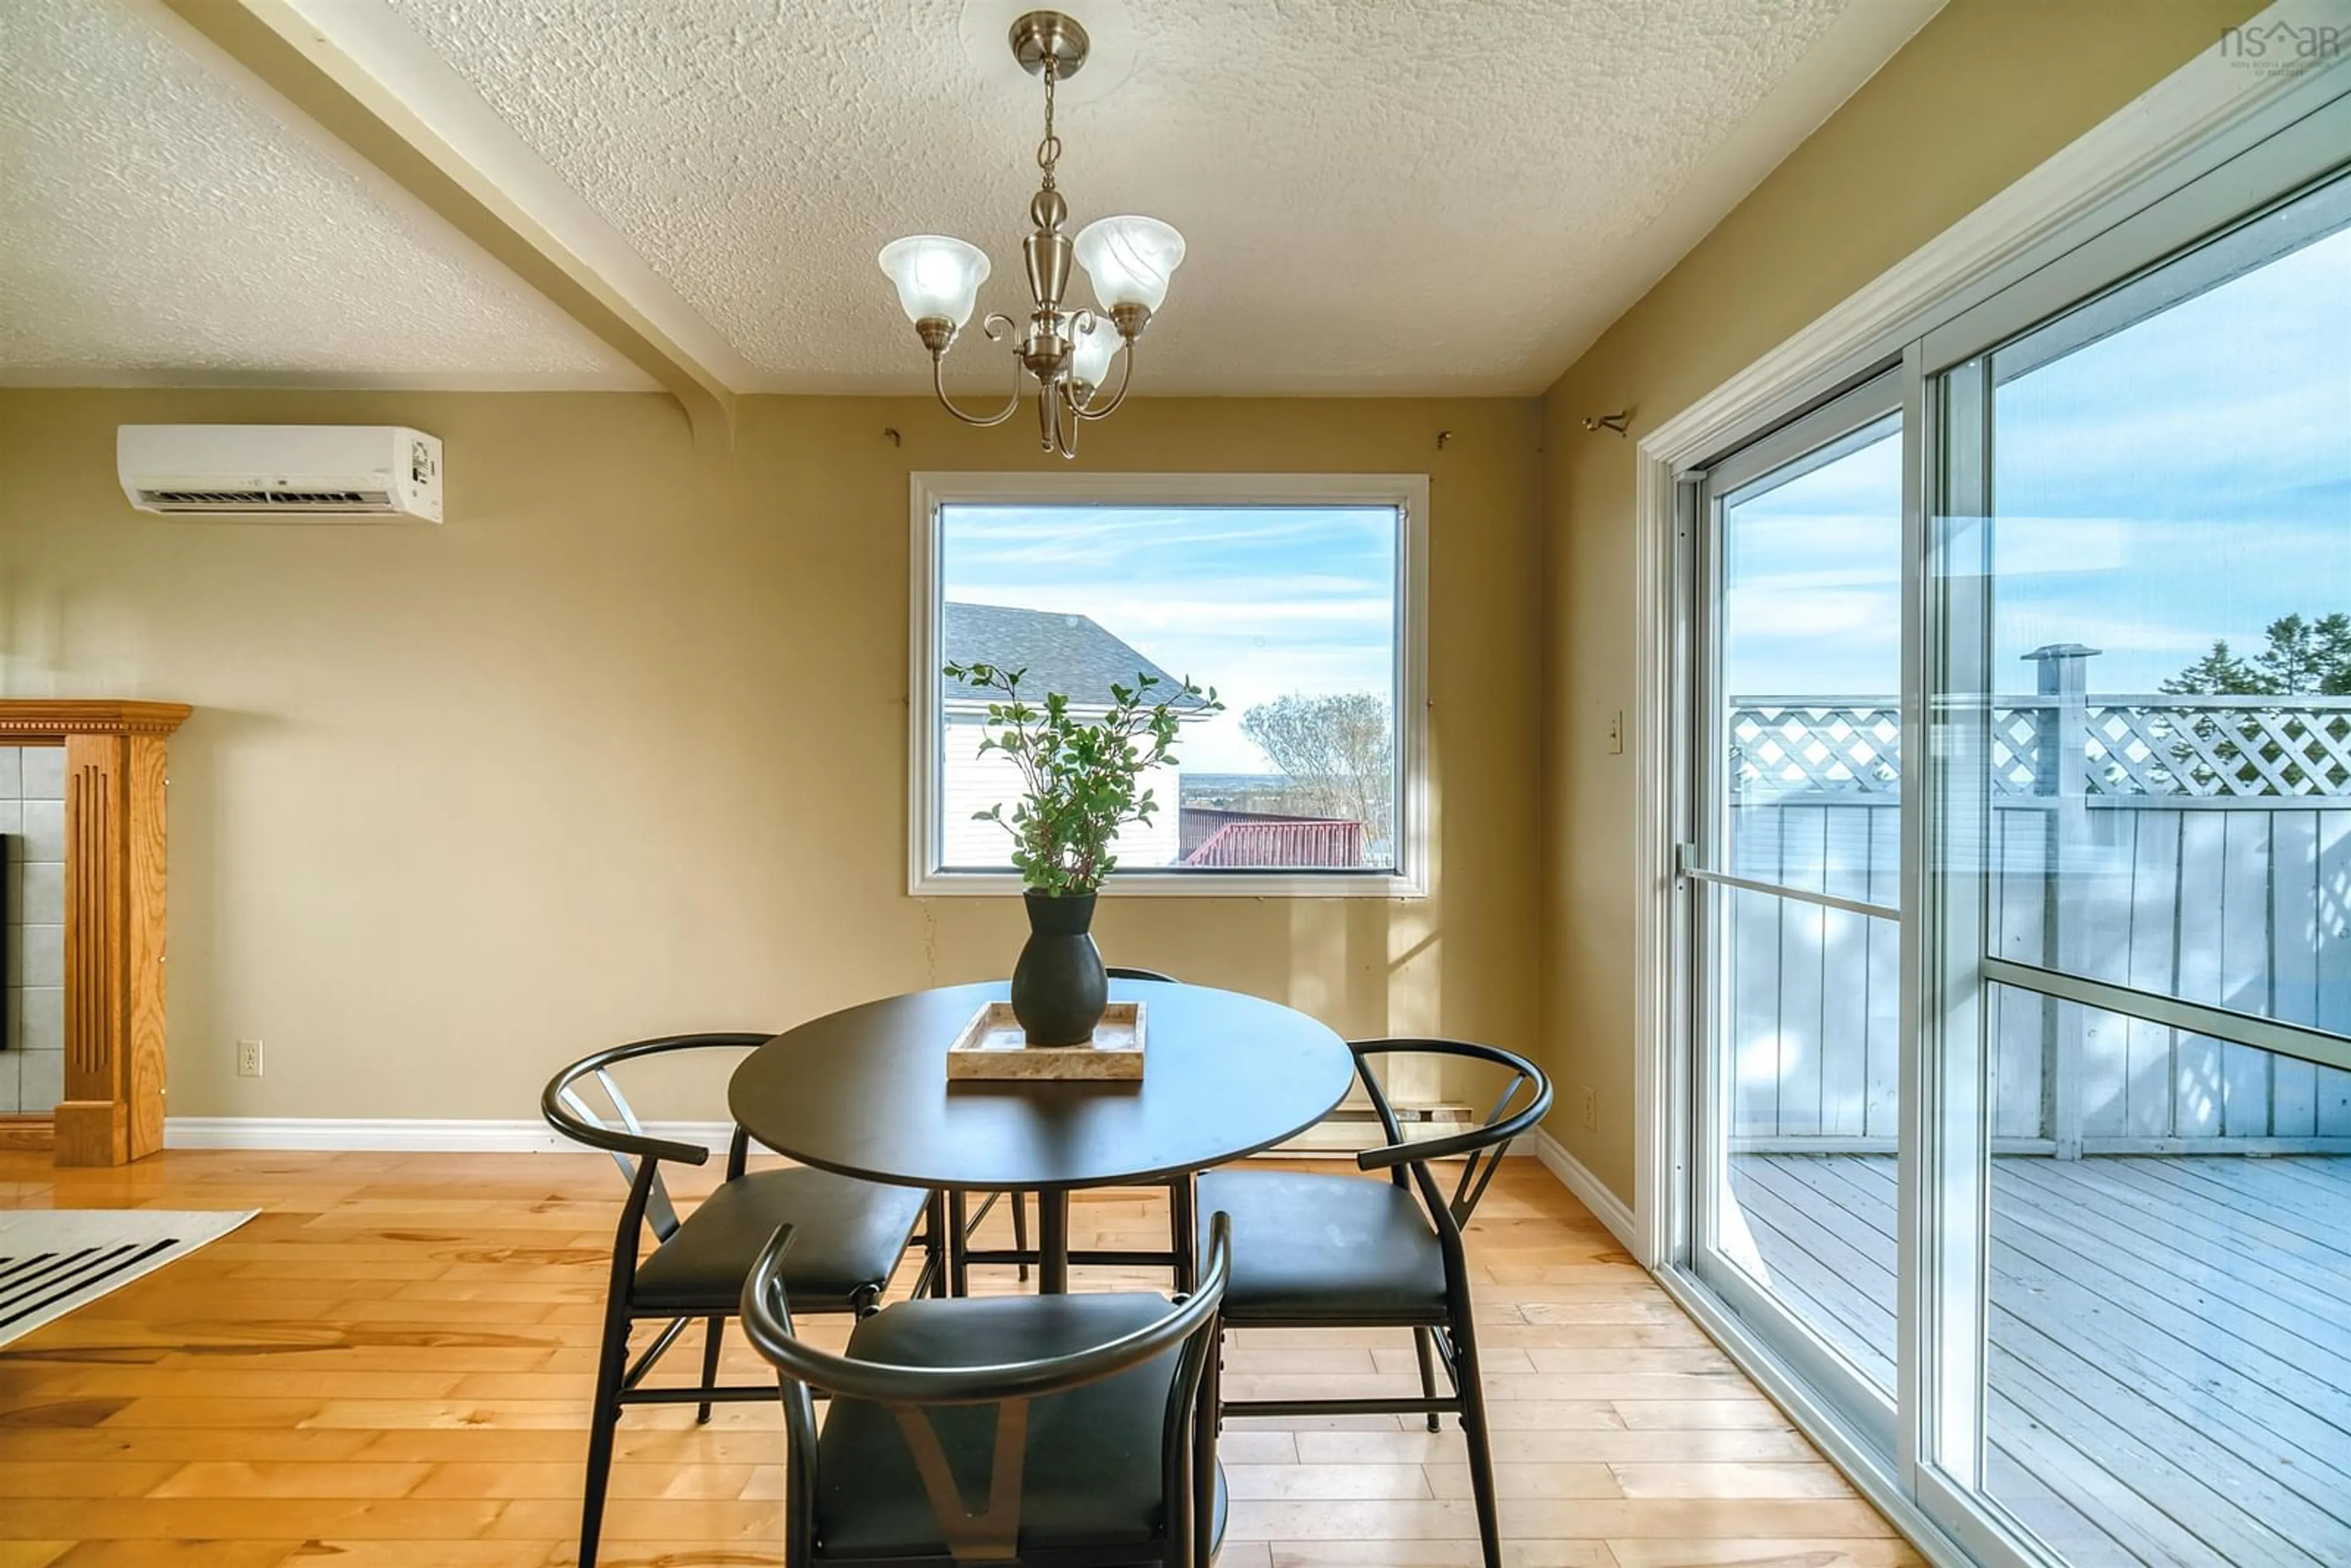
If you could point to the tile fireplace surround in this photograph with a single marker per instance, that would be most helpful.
(32, 1010)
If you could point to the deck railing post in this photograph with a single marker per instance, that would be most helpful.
(2060, 774)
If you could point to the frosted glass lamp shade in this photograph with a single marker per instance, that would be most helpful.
(1089, 353)
(1130, 260)
(935, 276)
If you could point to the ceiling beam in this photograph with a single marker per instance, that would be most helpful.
(296, 60)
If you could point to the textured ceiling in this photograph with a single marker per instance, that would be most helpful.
(1379, 195)
(1427, 196)
(160, 219)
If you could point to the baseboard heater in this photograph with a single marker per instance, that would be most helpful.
(1354, 1128)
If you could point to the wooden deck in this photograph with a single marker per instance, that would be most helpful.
(2170, 1367)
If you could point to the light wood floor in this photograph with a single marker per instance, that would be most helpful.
(390, 1365)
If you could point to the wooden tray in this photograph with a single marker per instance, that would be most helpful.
(994, 1046)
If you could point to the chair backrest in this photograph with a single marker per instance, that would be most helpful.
(1116, 973)
(565, 1104)
(1524, 1100)
(911, 1393)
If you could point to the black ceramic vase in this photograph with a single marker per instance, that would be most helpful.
(1059, 990)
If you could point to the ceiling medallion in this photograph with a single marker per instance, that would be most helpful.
(1067, 352)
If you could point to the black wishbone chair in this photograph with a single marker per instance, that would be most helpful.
(1179, 1193)
(1054, 1431)
(1337, 1252)
(852, 1233)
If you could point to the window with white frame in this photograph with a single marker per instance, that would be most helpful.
(1294, 597)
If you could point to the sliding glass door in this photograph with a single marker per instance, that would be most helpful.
(2144, 865)
(1796, 862)
(2014, 884)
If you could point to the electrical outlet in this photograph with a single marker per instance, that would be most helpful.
(248, 1059)
(1590, 1103)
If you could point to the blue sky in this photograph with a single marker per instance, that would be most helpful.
(2185, 479)
(1257, 601)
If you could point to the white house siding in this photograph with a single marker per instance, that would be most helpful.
(974, 783)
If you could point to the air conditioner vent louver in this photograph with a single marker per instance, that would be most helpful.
(268, 497)
(281, 473)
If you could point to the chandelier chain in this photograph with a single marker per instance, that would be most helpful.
(1049, 151)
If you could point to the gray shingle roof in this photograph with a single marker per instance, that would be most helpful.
(1067, 654)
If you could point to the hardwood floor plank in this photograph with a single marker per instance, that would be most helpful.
(1814, 1554)
(1429, 1554)
(1656, 1415)
(703, 1480)
(347, 1553)
(81, 1478)
(1605, 1444)
(297, 1478)
(230, 1518)
(180, 1554)
(1743, 1478)
(1258, 1483)
(758, 1523)
(1521, 1479)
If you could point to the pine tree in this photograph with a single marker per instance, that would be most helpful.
(2301, 658)
(2290, 663)
(2219, 673)
(2331, 638)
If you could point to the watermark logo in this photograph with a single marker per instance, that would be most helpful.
(2283, 49)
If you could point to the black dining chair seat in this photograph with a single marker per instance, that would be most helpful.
(851, 1234)
(1311, 1249)
(1091, 1471)
(1327, 1250)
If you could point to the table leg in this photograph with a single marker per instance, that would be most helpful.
(1183, 1200)
(1053, 1242)
(957, 1273)
(940, 1211)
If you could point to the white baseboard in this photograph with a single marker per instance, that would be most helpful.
(393, 1134)
(1593, 1193)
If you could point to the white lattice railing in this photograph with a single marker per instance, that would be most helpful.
(2220, 747)
(2218, 870)
(2155, 746)
(1835, 745)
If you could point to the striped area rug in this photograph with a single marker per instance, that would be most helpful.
(55, 1260)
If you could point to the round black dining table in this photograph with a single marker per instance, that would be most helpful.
(864, 1091)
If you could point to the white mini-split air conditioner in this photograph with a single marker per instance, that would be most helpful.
(325, 473)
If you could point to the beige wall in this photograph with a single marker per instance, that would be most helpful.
(620, 748)
(1984, 93)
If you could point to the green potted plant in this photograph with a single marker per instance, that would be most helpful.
(1082, 783)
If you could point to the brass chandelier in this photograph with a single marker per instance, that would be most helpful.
(1066, 352)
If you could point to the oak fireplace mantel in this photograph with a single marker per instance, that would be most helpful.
(112, 1111)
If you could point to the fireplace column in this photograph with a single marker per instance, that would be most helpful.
(112, 1111)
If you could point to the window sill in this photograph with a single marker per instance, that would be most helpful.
(1391, 885)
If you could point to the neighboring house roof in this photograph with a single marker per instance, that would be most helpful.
(1061, 653)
